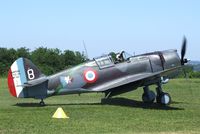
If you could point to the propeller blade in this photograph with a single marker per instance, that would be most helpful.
(183, 51)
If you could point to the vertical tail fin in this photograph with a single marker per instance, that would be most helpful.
(20, 72)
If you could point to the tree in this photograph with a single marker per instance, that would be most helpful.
(80, 58)
(7, 57)
(23, 52)
(48, 60)
(69, 58)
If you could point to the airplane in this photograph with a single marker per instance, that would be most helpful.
(112, 76)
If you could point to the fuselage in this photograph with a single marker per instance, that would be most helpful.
(103, 74)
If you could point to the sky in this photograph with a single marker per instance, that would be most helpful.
(104, 25)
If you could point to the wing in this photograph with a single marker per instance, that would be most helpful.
(132, 78)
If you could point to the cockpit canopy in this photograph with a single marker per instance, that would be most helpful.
(109, 60)
(104, 61)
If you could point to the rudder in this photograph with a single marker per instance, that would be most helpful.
(20, 72)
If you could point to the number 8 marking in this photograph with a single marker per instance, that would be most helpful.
(30, 73)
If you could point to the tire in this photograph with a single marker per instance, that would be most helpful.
(163, 99)
(42, 104)
(148, 97)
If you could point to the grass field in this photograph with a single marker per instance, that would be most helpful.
(124, 114)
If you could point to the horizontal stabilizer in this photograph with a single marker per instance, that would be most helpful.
(35, 82)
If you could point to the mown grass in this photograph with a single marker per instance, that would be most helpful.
(120, 115)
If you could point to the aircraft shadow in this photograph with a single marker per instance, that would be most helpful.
(27, 104)
(59, 104)
(111, 101)
(137, 104)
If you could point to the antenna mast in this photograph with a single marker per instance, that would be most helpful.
(86, 53)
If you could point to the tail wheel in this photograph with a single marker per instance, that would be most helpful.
(42, 103)
(163, 98)
(148, 97)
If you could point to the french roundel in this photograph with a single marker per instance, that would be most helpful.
(90, 75)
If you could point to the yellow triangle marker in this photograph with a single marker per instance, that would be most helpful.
(60, 114)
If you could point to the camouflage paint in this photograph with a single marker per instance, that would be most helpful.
(98, 75)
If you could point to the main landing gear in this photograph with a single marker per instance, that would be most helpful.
(42, 103)
(148, 96)
(161, 97)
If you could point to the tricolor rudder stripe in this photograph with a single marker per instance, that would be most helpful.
(17, 78)
(11, 84)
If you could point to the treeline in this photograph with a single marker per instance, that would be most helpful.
(188, 72)
(48, 60)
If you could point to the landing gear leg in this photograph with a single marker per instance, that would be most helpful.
(107, 95)
(42, 103)
(162, 97)
(148, 96)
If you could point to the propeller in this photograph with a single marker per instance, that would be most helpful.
(184, 60)
(183, 51)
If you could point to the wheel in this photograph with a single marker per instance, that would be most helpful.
(42, 103)
(163, 98)
(148, 97)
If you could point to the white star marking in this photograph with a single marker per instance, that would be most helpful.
(68, 80)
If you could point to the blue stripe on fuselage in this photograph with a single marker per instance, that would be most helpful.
(20, 64)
